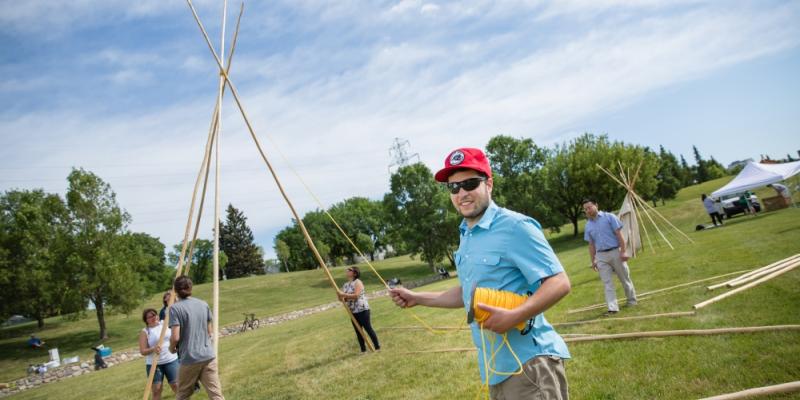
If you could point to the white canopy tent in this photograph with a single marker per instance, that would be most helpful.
(755, 175)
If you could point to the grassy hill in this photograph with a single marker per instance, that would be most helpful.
(262, 295)
(317, 356)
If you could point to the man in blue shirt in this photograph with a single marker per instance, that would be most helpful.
(504, 250)
(607, 249)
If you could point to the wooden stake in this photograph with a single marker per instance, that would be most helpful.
(748, 286)
(299, 220)
(789, 387)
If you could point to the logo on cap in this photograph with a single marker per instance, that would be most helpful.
(456, 158)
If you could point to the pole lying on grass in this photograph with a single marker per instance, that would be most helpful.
(645, 294)
(556, 324)
(684, 332)
(789, 387)
(748, 286)
(747, 277)
(650, 334)
(651, 316)
(278, 183)
(767, 271)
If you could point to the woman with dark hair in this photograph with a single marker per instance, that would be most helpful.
(167, 365)
(353, 295)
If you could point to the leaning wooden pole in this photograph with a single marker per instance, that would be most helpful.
(789, 387)
(202, 176)
(637, 198)
(215, 259)
(299, 220)
(208, 165)
(748, 286)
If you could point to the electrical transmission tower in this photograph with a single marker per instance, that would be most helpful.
(399, 153)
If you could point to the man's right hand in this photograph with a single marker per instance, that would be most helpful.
(594, 265)
(403, 297)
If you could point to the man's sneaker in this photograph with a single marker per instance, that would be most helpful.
(610, 313)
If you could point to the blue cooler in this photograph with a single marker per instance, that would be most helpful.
(105, 352)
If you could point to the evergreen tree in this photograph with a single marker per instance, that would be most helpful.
(701, 172)
(686, 173)
(669, 176)
(236, 240)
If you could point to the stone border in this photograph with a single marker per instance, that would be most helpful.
(70, 370)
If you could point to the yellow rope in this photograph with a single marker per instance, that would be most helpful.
(501, 299)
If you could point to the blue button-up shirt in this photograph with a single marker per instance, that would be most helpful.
(602, 231)
(506, 250)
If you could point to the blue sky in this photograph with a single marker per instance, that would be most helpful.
(126, 89)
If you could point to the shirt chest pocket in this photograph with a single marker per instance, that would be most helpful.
(486, 260)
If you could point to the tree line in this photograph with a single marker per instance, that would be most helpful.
(415, 217)
(59, 255)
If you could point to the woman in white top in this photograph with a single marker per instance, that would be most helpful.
(167, 365)
(353, 295)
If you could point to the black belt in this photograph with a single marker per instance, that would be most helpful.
(603, 251)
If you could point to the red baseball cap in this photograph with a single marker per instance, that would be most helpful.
(462, 158)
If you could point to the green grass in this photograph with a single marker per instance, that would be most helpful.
(317, 356)
(262, 295)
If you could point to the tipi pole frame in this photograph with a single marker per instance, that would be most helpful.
(299, 220)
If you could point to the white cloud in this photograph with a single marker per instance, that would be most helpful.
(334, 111)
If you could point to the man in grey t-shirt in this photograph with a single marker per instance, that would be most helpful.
(190, 320)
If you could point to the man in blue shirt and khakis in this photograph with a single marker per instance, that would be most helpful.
(503, 250)
(607, 249)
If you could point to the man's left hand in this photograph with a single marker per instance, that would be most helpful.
(622, 256)
(500, 320)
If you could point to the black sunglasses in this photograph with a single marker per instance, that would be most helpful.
(468, 184)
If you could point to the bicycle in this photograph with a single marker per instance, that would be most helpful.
(250, 322)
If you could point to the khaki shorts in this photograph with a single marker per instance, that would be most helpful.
(542, 378)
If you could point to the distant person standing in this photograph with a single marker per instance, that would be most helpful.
(783, 191)
(163, 313)
(711, 209)
(746, 204)
(190, 320)
(354, 296)
(607, 249)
